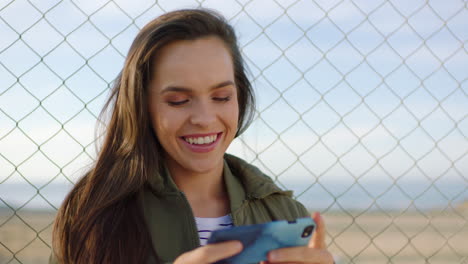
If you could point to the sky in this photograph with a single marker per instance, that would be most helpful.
(347, 90)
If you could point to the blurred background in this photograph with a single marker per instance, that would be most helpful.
(362, 112)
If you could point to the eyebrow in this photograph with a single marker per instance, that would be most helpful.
(186, 89)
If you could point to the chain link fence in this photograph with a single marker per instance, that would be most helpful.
(362, 112)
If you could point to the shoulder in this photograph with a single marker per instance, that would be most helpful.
(285, 207)
(264, 197)
(251, 176)
(275, 206)
(242, 167)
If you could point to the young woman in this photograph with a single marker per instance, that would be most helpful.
(162, 176)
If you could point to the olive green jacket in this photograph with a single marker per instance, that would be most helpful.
(253, 196)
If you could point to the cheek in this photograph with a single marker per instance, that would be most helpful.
(163, 123)
(233, 116)
(166, 122)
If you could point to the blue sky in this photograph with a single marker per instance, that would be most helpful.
(346, 89)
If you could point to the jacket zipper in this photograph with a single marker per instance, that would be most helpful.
(234, 221)
(193, 225)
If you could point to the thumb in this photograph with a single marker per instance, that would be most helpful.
(318, 238)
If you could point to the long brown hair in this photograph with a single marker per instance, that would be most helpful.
(101, 219)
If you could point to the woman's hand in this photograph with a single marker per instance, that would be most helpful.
(316, 252)
(210, 253)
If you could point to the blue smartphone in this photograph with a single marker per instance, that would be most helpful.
(258, 240)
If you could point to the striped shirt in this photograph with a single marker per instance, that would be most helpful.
(206, 226)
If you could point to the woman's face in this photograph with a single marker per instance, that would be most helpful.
(193, 103)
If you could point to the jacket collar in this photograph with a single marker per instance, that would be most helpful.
(243, 182)
(246, 182)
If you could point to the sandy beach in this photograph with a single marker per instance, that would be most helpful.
(412, 237)
(373, 237)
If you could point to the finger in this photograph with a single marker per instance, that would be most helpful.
(318, 238)
(211, 252)
(298, 254)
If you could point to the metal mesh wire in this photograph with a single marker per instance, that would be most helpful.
(362, 112)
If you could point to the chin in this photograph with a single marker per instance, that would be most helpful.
(204, 166)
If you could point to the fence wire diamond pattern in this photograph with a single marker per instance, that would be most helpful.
(362, 111)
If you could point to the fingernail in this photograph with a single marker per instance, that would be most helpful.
(238, 246)
(273, 256)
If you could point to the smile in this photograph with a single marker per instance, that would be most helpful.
(201, 140)
(201, 143)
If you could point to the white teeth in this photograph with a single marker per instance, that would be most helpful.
(202, 140)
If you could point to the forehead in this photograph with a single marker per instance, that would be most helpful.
(192, 63)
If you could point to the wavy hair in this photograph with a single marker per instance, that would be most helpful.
(103, 214)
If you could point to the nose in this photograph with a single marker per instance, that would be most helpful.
(202, 114)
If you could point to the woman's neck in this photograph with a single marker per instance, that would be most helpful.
(205, 191)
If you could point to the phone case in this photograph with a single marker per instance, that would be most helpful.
(258, 240)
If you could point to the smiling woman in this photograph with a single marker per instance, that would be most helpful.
(162, 181)
(193, 106)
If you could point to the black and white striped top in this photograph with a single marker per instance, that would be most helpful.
(206, 226)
